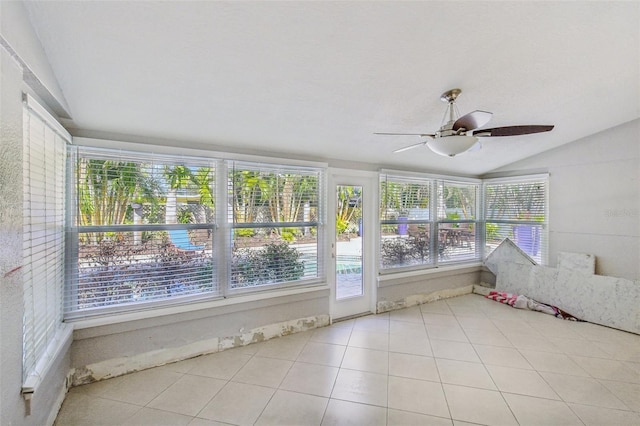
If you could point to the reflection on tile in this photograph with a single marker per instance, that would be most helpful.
(310, 378)
(598, 416)
(464, 373)
(538, 411)
(291, 408)
(406, 418)
(360, 386)
(384, 369)
(418, 396)
(478, 406)
(225, 406)
(582, 390)
(351, 413)
(523, 382)
(188, 395)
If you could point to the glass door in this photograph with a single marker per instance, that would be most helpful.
(352, 255)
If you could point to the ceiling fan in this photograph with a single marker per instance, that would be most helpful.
(460, 134)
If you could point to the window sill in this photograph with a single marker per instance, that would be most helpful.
(438, 272)
(91, 326)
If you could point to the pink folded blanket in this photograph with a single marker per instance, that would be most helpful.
(523, 302)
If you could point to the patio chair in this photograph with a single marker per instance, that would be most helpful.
(180, 239)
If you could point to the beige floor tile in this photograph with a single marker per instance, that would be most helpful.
(459, 351)
(312, 379)
(464, 373)
(322, 353)
(263, 371)
(449, 332)
(407, 418)
(345, 413)
(582, 390)
(412, 328)
(79, 409)
(418, 396)
(629, 393)
(412, 314)
(288, 348)
(553, 362)
(530, 411)
(478, 406)
(238, 404)
(376, 323)
(335, 334)
(476, 323)
(369, 340)
(506, 357)
(188, 395)
(487, 337)
(291, 408)
(204, 422)
(153, 417)
(578, 347)
(437, 307)
(366, 360)
(222, 365)
(141, 387)
(441, 320)
(417, 344)
(522, 382)
(598, 416)
(361, 386)
(531, 342)
(607, 369)
(413, 366)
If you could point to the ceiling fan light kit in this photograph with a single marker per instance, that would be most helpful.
(459, 134)
(451, 146)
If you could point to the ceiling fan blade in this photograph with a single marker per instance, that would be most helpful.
(473, 120)
(512, 130)
(407, 134)
(406, 148)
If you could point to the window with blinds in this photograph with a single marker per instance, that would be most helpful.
(457, 215)
(516, 208)
(427, 221)
(143, 230)
(274, 214)
(44, 159)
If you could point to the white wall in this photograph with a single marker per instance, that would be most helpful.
(594, 203)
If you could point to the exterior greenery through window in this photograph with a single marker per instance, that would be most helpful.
(146, 229)
(143, 230)
(274, 213)
(516, 208)
(425, 221)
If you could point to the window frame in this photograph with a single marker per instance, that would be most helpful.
(542, 235)
(435, 220)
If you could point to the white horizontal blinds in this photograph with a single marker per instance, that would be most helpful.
(517, 209)
(457, 212)
(274, 215)
(404, 198)
(44, 158)
(145, 225)
(405, 221)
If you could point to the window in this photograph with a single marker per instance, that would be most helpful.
(150, 230)
(44, 158)
(425, 221)
(457, 215)
(143, 231)
(516, 208)
(274, 213)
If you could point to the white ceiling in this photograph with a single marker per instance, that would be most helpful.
(316, 79)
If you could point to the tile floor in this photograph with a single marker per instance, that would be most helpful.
(461, 361)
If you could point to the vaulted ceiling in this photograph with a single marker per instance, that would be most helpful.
(316, 79)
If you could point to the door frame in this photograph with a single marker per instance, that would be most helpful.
(367, 302)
